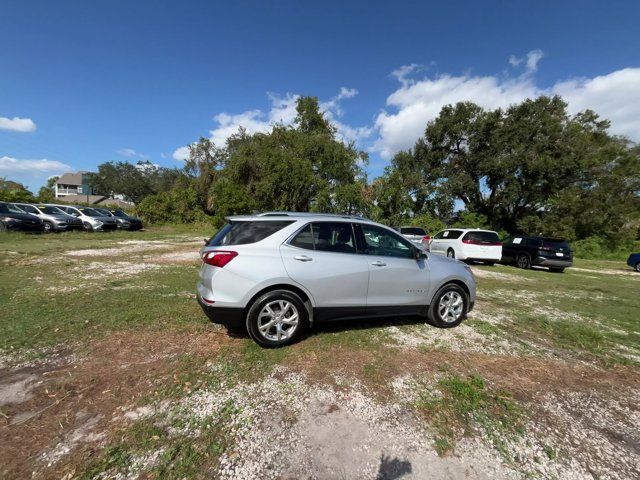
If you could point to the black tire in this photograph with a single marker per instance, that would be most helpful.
(253, 318)
(47, 227)
(451, 253)
(435, 315)
(490, 264)
(637, 267)
(87, 227)
(523, 261)
(556, 269)
(3, 227)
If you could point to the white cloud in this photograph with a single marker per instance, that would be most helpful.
(282, 110)
(16, 124)
(416, 102)
(181, 153)
(127, 152)
(515, 61)
(614, 96)
(12, 165)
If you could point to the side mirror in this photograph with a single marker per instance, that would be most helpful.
(420, 254)
(206, 241)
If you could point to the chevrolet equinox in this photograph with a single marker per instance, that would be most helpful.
(276, 273)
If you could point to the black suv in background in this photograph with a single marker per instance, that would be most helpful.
(527, 252)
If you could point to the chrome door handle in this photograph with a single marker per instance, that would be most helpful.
(378, 263)
(302, 258)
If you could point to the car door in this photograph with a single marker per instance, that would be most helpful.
(398, 282)
(323, 258)
(436, 242)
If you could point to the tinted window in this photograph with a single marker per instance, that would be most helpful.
(438, 236)
(454, 233)
(119, 213)
(486, 238)
(28, 209)
(304, 239)
(554, 243)
(413, 231)
(8, 208)
(333, 237)
(243, 233)
(382, 242)
(90, 212)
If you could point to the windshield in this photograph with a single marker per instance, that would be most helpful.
(51, 210)
(28, 209)
(8, 208)
(105, 213)
(242, 233)
(90, 212)
(120, 213)
(413, 231)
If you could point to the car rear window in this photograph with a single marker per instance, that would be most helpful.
(482, 237)
(555, 243)
(413, 231)
(243, 233)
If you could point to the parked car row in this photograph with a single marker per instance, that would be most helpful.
(477, 245)
(33, 217)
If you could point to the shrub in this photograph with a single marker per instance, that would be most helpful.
(180, 205)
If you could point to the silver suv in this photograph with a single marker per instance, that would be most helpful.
(275, 274)
(92, 220)
(54, 219)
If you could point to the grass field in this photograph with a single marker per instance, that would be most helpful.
(109, 369)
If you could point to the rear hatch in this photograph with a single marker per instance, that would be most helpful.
(482, 244)
(554, 248)
(415, 235)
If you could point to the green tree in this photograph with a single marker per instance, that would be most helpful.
(11, 191)
(47, 193)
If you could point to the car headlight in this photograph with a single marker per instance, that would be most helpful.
(97, 223)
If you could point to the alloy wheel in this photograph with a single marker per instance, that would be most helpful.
(278, 320)
(451, 306)
(523, 261)
(451, 253)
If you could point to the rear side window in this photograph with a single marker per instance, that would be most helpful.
(29, 209)
(243, 233)
(451, 234)
(485, 238)
(326, 237)
(413, 231)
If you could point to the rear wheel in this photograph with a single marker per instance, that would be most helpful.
(276, 318)
(637, 267)
(3, 227)
(451, 253)
(523, 261)
(48, 227)
(449, 306)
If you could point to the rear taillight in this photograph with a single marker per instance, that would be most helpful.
(486, 244)
(426, 238)
(218, 258)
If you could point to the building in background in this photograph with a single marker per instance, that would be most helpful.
(75, 188)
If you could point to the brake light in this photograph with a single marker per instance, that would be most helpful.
(486, 244)
(218, 258)
(426, 238)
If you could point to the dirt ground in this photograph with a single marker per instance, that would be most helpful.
(352, 400)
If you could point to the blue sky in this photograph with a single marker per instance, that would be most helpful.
(83, 83)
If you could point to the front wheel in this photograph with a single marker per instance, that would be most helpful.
(451, 253)
(449, 306)
(276, 318)
(48, 227)
(523, 261)
(637, 267)
(87, 226)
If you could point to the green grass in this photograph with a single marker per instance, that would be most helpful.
(460, 405)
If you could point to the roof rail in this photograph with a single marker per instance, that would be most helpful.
(307, 214)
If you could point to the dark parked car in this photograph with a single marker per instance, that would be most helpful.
(126, 222)
(634, 261)
(13, 218)
(527, 252)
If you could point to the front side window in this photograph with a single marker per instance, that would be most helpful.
(243, 233)
(438, 236)
(28, 209)
(382, 242)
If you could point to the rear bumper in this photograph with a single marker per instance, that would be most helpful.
(230, 317)
(551, 262)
